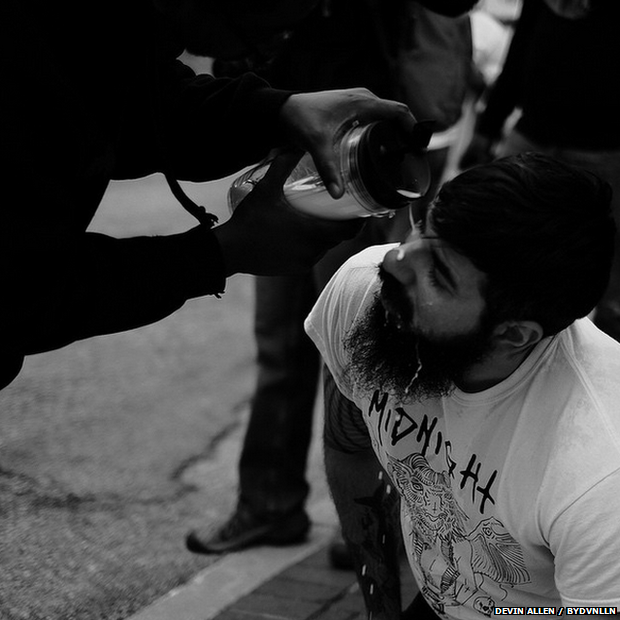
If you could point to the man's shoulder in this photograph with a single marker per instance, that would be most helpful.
(576, 425)
(591, 351)
(593, 360)
(368, 258)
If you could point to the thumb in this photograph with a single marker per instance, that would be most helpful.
(326, 159)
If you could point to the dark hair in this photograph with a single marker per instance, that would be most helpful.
(542, 232)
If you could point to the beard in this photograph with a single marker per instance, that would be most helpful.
(387, 354)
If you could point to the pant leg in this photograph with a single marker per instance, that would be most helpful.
(272, 478)
(274, 456)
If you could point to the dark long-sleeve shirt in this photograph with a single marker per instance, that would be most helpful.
(91, 92)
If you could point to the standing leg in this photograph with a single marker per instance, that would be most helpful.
(273, 462)
(272, 469)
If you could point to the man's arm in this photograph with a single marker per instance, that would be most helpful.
(367, 504)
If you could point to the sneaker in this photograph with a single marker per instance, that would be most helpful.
(244, 530)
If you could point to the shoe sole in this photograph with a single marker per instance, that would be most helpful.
(195, 545)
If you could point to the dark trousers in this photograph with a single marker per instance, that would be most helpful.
(272, 469)
(273, 461)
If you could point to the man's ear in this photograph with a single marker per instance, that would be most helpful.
(517, 335)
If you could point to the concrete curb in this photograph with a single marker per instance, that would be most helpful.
(238, 574)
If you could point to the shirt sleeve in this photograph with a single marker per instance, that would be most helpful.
(207, 127)
(585, 541)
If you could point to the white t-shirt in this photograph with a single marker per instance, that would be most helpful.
(510, 496)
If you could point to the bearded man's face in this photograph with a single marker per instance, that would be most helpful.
(426, 327)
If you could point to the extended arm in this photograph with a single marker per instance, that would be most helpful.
(366, 504)
(110, 112)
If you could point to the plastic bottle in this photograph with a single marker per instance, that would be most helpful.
(382, 173)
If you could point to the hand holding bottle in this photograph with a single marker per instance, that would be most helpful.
(315, 122)
(266, 236)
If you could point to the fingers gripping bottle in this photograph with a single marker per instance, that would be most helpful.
(382, 173)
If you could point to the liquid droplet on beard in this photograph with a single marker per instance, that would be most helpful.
(417, 372)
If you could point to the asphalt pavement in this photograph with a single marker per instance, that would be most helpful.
(113, 448)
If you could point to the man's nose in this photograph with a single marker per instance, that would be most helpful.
(398, 261)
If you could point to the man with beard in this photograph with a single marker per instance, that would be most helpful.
(464, 376)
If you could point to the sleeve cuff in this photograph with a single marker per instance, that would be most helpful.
(202, 268)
